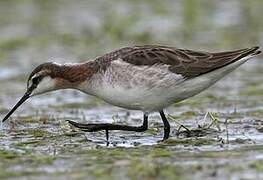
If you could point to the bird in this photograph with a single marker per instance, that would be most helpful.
(148, 78)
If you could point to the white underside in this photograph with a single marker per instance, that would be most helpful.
(149, 88)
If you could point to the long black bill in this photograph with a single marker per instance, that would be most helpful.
(23, 99)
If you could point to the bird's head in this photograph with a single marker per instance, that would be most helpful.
(52, 76)
(43, 79)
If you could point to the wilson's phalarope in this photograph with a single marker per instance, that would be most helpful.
(147, 78)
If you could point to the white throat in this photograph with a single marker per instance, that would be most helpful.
(46, 84)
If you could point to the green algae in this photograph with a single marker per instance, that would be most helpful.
(182, 116)
(5, 174)
(102, 172)
(25, 159)
(139, 169)
(252, 91)
(191, 141)
(257, 113)
(27, 143)
(160, 152)
(37, 160)
(8, 154)
(257, 165)
(35, 133)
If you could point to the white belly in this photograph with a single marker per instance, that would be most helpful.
(148, 88)
(134, 87)
(136, 98)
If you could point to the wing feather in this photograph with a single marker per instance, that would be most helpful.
(188, 63)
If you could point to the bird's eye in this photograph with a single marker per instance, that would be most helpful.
(35, 80)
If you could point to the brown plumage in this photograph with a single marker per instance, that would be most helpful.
(181, 61)
(73, 73)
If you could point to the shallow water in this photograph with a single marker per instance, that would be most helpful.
(37, 142)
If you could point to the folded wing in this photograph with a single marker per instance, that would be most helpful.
(181, 61)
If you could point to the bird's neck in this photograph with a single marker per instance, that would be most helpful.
(71, 75)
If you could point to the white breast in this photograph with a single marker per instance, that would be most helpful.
(149, 88)
(144, 88)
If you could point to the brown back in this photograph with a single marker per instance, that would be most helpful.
(185, 62)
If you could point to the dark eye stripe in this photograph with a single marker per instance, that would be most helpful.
(36, 80)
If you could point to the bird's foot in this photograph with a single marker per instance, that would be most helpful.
(93, 127)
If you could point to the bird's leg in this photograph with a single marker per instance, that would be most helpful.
(106, 126)
(107, 135)
(166, 125)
